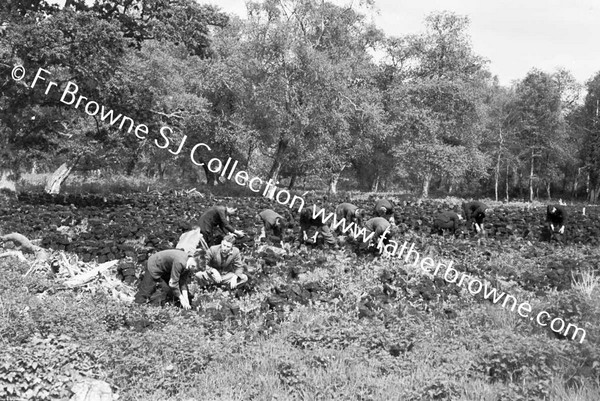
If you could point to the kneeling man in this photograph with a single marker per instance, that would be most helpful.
(224, 265)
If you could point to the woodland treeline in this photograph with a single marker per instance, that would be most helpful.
(301, 91)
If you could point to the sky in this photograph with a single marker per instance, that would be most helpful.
(514, 35)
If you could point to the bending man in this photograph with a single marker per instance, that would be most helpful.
(307, 221)
(556, 217)
(475, 212)
(166, 276)
(217, 217)
(446, 221)
(272, 222)
(351, 213)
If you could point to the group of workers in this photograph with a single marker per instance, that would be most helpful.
(169, 272)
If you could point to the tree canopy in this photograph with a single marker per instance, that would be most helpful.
(305, 92)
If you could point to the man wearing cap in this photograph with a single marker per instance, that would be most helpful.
(223, 264)
(217, 217)
(351, 213)
(167, 276)
(446, 221)
(307, 221)
(475, 212)
(271, 222)
(556, 217)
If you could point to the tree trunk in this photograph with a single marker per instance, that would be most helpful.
(8, 191)
(211, 178)
(426, 182)
(333, 181)
(278, 160)
(497, 176)
(292, 181)
(507, 187)
(250, 150)
(548, 187)
(276, 167)
(59, 176)
(531, 179)
(130, 167)
(574, 193)
(375, 184)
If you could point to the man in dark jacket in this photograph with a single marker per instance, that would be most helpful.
(446, 221)
(271, 222)
(217, 217)
(351, 213)
(223, 265)
(167, 276)
(383, 208)
(381, 227)
(475, 213)
(556, 217)
(307, 221)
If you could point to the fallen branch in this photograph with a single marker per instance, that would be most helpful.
(22, 241)
(84, 278)
(67, 264)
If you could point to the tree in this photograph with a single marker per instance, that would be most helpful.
(99, 49)
(541, 128)
(435, 103)
(586, 120)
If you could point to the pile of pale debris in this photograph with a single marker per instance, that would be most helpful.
(68, 270)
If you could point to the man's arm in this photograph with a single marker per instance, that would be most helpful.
(176, 272)
(238, 264)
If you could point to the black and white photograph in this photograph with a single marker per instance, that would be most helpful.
(272, 200)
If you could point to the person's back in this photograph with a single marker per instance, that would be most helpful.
(349, 212)
(383, 207)
(306, 217)
(446, 221)
(271, 221)
(214, 217)
(162, 263)
(474, 211)
(377, 224)
(270, 216)
(217, 217)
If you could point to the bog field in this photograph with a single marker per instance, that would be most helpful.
(313, 323)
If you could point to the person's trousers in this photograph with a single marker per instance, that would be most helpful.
(208, 279)
(440, 225)
(154, 291)
(324, 230)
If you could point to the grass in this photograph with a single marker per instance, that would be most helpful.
(587, 283)
(323, 351)
(406, 349)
